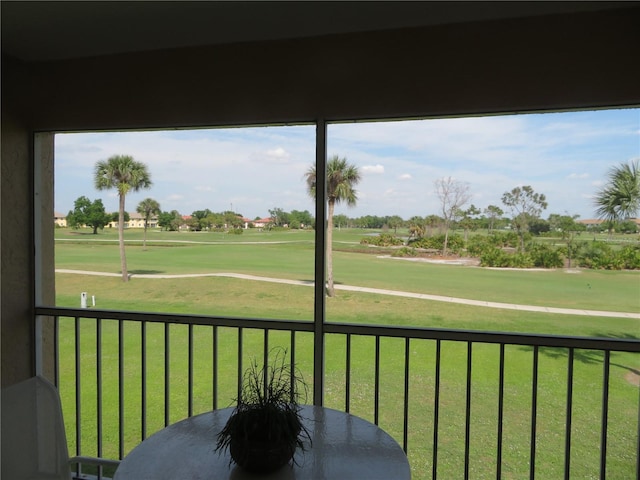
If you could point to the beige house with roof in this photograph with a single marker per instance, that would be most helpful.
(136, 220)
(59, 219)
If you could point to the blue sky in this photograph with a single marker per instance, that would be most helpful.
(566, 156)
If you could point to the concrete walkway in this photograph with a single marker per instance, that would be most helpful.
(379, 291)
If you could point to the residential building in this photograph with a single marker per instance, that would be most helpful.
(59, 219)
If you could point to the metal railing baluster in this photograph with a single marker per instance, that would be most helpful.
(405, 424)
(347, 387)
(638, 438)
(143, 380)
(534, 413)
(292, 357)
(240, 369)
(500, 414)
(99, 391)
(214, 366)
(121, 389)
(78, 389)
(56, 351)
(569, 415)
(436, 409)
(605, 414)
(190, 372)
(376, 396)
(265, 357)
(167, 374)
(467, 415)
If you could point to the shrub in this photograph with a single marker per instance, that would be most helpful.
(405, 252)
(382, 240)
(497, 257)
(630, 255)
(455, 243)
(600, 255)
(545, 256)
(479, 245)
(235, 231)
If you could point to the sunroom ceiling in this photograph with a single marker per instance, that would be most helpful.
(51, 30)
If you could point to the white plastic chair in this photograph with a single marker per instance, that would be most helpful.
(34, 444)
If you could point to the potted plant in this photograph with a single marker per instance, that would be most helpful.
(265, 428)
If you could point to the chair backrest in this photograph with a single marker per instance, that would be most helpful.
(34, 445)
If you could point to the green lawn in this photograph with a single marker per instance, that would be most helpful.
(616, 291)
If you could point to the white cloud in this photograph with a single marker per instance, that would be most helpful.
(566, 156)
(278, 153)
(375, 169)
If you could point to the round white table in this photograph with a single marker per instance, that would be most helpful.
(343, 447)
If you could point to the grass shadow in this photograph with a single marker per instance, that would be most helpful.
(588, 356)
(146, 272)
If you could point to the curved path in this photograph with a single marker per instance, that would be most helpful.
(380, 291)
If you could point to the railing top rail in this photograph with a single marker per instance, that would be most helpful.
(528, 339)
(630, 344)
(183, 319)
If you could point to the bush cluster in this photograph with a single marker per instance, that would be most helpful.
(455, 243)
(382, 240)
(405, 252)
(479, 244)
(497, 257)
(499, 249)
(600, 255)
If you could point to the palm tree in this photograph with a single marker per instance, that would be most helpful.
(341, 178)
(620, 197)
(123, 173)
(147, 208)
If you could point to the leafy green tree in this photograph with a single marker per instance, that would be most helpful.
(619, 199)
(279, 218)
(431, 222)
(86, 212)
(147, 208)
(201, 220)
(340, 220)
(468, 222)
(304, 219)
(493, 213)
(115, 217)
(417, 227)
(395, 222)
(538, 226)
(126, 175)
(232, 220)
(525, 205)
(627, 226)
(341, 178)
(569, 230)
(170, 220)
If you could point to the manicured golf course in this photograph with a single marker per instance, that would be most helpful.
(289, 255)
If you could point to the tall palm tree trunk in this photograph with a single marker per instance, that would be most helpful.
(123, 258)
(329, 259)
(144, 241)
